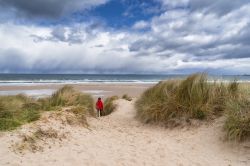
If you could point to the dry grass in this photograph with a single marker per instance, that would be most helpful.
(53, 126)
(80, 116)
(17, 110)
(67, 96)
(37, 140)
(109, 105)
(20, 109)
(237, 124)
(126, 97)
(175, 102)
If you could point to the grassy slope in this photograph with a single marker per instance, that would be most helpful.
(175, 102)
(237, 124)
(20, 109)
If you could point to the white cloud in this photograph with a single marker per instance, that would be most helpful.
(180, 40)
(141, 25)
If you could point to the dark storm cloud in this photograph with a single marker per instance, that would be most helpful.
(47, 8)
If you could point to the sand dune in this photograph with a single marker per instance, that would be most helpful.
(119, 139)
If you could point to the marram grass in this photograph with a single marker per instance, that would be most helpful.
(127, 97)
(174, 102)
(237, 124)
(20, 109)
(17, 110)
(109, 105)
(68, 96)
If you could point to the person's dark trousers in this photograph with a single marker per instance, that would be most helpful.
(99, 112)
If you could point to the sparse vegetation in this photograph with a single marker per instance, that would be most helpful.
(175, 102)
(109, 105)
(20, 109)
(80, 113)
(126, 97)
(35, 141)
(237, 125)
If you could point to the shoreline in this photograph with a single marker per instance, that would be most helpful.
(94, 89)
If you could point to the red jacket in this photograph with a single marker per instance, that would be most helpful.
(99, 105)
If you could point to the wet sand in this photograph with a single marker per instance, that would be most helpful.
(95, 89)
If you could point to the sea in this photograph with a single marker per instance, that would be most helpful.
(39, 79)
(22, 80)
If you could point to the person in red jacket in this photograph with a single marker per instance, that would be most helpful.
(99, 107)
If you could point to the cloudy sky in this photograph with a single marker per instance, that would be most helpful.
(125, 36)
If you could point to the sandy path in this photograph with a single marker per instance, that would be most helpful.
(119, 139)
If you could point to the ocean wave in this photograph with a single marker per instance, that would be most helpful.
(42, 82)
(29, 80)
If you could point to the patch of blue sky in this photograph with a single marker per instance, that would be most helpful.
(125, 13)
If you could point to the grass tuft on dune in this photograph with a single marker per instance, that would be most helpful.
(237, 124)
(35, 141)
(20, 109)
(80, 113)
(68, 96)
(109, 105)
(127, 97)
(176, 101)
(17, 110)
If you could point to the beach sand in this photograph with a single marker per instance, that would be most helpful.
(95, 89)
(119, 139)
